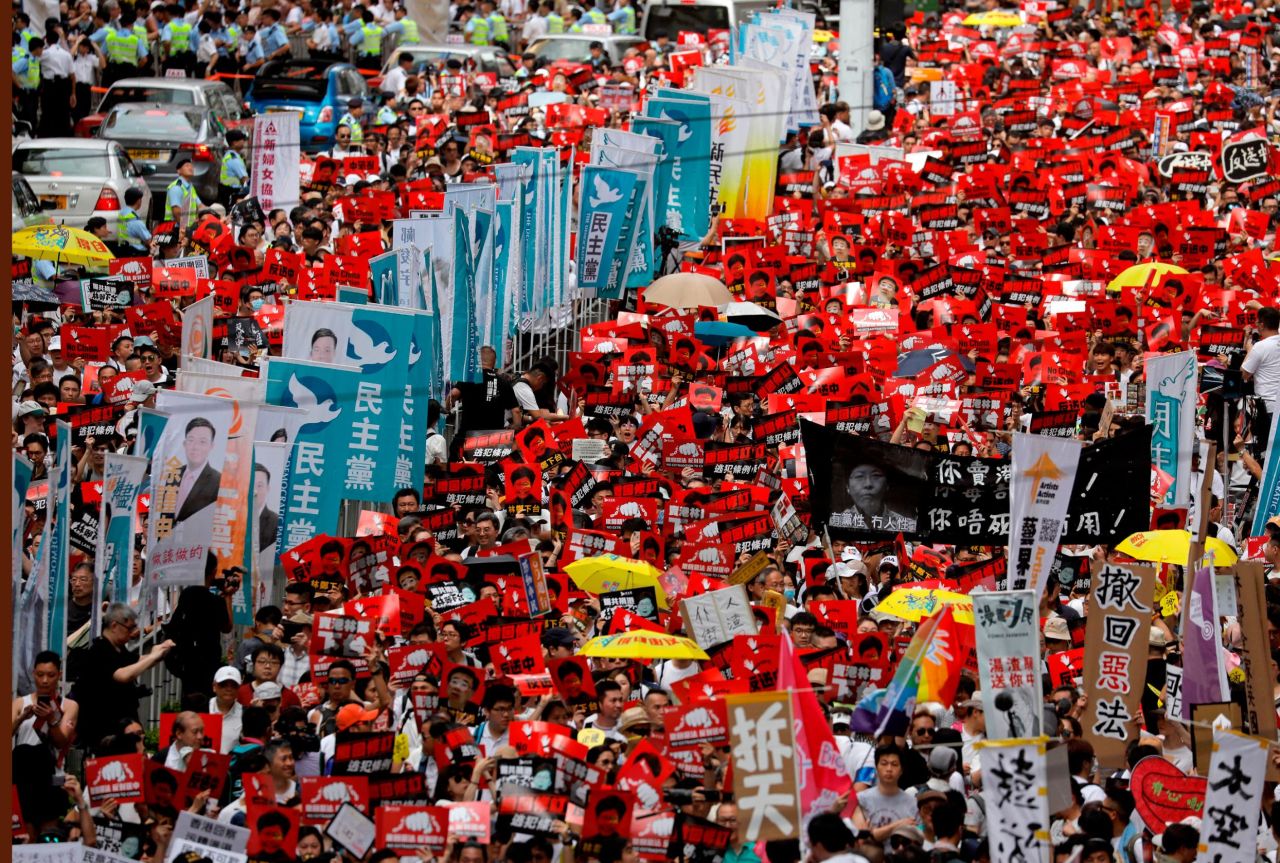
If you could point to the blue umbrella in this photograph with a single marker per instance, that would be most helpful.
(717, 333)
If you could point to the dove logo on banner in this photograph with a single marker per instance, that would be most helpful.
(602, 215)
(367, 338)
(688, 202)
(315, 488)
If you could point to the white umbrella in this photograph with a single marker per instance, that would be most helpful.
(687, 291)
(751, 315)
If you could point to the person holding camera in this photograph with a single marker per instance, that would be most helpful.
(203, 615)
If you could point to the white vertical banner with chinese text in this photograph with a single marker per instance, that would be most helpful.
(273, 179)
(1229, 824)
(1015, 787)
(1006, 629)
(764, 765)
(1044, 470)
(1171, 412)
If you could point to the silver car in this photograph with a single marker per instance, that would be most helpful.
(158, 137)
(576, 47)
(76, 179)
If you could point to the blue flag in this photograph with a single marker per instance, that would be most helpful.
(688, 202)
(602, 217)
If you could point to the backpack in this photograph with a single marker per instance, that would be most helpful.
(883, 94)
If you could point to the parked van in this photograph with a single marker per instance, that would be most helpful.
(672, 16)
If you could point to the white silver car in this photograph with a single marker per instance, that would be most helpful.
(76, 179)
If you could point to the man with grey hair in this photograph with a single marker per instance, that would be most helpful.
(109, 674)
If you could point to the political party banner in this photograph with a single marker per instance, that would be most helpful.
(506, 278)
(806, 106)
(1115, 652)
(881, 490)
(124, 478)
(1269, 487)
(1018, 805)
(728, 144)
(230, 526)
(151, 423)
(1007, 632)
(1205, 675)
(666, 133)
(687, 207)
(1044, 470)
(378, 341)
(764, 765)
(384, 272)
(186, 478)
(30, 621)
(1171, 412)
(59, 546)
(273, 177)
(603, 210)
(1229, 822)
(197, 330)
(22, 469)
(615, 148)
(271, 465)
(462, 361)
(316, 480)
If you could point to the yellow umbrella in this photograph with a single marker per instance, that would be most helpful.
(1173, 546)
(609, 572)
(60, 243)
(915, 604)
(1141, 275)
(643, 644)
(994, 18)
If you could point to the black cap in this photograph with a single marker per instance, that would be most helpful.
(557, 636)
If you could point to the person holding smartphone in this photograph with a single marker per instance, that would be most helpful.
(45, 717)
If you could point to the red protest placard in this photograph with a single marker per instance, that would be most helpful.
(212, 729)
(273, 831)
(323, 796)
(118, 778)
(696, 722)
(172, 282)
(471, 821)
(163, 787)
(206, 771)
(412, 827)
(90, 343)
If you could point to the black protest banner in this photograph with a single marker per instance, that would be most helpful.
(1111, 496)
(880, 490)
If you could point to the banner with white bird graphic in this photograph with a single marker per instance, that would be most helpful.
(606, 195)
(327, 392)
(377, 340)
(615, 148)
(687, 207)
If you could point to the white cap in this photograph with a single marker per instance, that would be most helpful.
(227, 672)
(267, 690)
(850, 553)
(55, 343)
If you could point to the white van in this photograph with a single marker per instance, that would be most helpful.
(672, 16)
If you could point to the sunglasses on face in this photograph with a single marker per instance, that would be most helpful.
(338, 681)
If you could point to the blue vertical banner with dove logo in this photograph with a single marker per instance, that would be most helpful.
(506, 243)
(315, 488)
(602, 217)
(56, 629)
(375, 340)
(688, 202)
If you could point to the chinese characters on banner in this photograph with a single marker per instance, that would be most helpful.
(764, 765)
(1006, 626)
(1115, 651)
(274, 178)
(1044, 469)
(1171, 412)
(1205, 681)
(1015, 787)
(1237, 768)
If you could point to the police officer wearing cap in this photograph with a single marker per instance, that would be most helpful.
(367, 42)
(233, 176)
(351, 120)
(126, 51)
(177, 43)
(181, 201)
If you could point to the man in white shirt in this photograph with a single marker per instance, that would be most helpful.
(494, 732)
(1262, 365)
(537, 25)
(188, 734)
(226, 686)
(393, 83)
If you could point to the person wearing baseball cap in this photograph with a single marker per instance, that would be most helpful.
(557, 642)
(226, 686)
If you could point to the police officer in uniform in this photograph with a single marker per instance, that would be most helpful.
(26, 79)
(132, 236)
(233, 177)
(177, 43)
(476, 29)
(497, 25)
(351, 120)
(368, 44)
(623, 18)
(405, 28)
(125, 50)
(181, 201)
